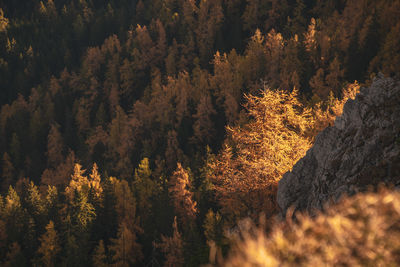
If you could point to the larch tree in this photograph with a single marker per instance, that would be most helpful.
(49, 246)
(335, 76)
(144, 187)
(14, 256)
(3, 235)
(35, 203)
(310, 41)
(7, 173)
(173, 153)
(388, 58)
(126, 206)
(13, 213)
(182, 197)
(95, 181)
(125, 248)
(210, 16)
(77, 183)
(3, 21)
(15, 149)
(292, 67)
(54, 146)
(204, 127)
(214, 233)
(61, 173)
(274, 49)
(172, 247)
(324, 117)
(255, 156)
(228, 81)
(318, 84)
(251, 15)
(83, 212)
(99, 258)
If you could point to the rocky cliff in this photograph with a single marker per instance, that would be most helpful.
(360, 150)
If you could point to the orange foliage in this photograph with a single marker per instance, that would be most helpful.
(184, 204)
(255, 157)
(79, 182)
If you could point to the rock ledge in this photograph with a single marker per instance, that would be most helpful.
(362, 149)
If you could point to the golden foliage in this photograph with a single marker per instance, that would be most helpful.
(363, 230)
(326, 117)
(3, 21)
(78, 182)
(184, 204)
(246, 172)
(81, 183)
(95, 180)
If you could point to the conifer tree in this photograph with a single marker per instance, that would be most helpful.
(14, 256)
(144, 187)
(106, 223)
(3, 21)
(8, 172)
(213, 231)
(126, 202)
(172, 247)
(35, 204)
(179, 189)
(125, 248)
(13, 215)
(51, 202)
(73, 254)
(78, 182)
(54, 146)
(255, 156)
(49, 246)
(83, 212)
(30, 241)
(203, 128)
(95, 181)
(99, 257)
(173, 153)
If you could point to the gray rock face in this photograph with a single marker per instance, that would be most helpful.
(360, 150)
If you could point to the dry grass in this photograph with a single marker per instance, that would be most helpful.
(363, 230)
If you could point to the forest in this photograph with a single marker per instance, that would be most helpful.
(140, 133)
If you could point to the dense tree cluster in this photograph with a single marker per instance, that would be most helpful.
(197, 107)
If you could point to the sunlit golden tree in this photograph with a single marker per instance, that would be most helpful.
(180, 192)
(255, 156)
